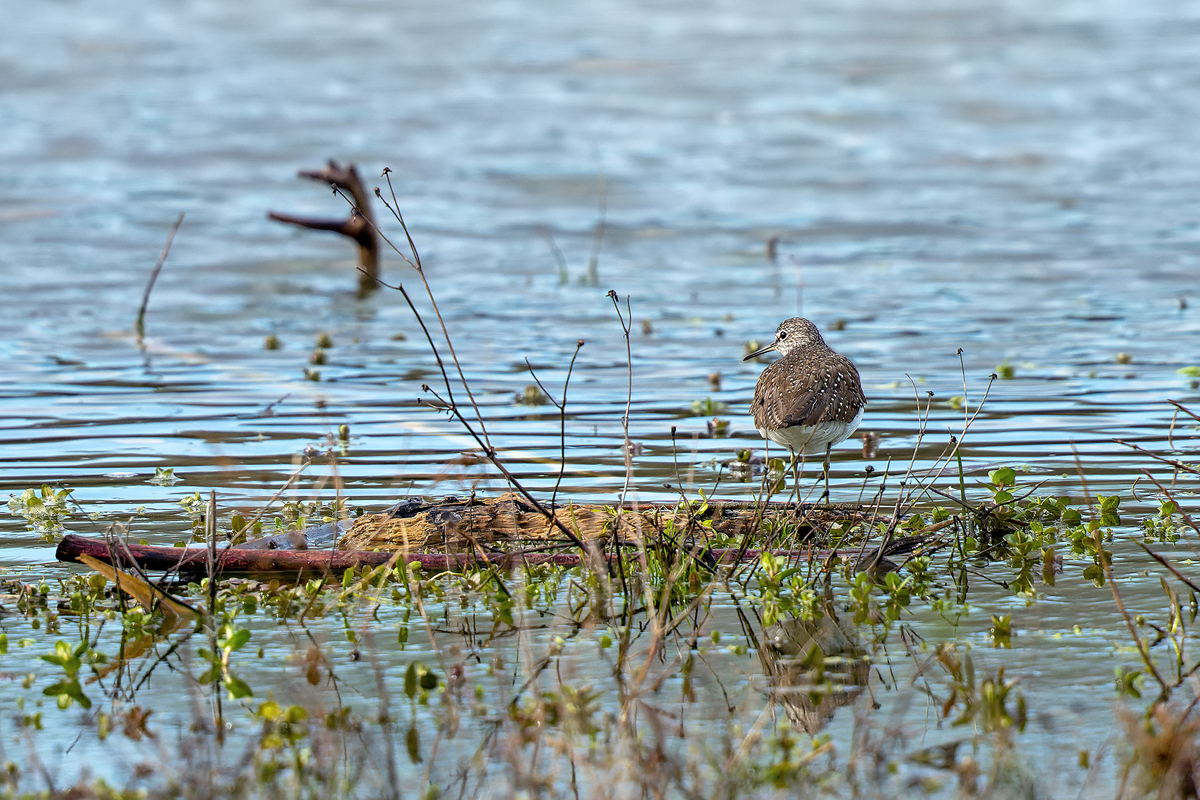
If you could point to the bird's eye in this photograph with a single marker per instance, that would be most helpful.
(783, 335)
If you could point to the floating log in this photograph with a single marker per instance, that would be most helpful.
(463, 529)
(194, 560)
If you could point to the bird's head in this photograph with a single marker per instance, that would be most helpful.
(792, 334)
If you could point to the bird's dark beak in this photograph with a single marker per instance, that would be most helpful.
(759, 352)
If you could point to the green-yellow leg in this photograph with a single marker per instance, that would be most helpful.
(828, 448)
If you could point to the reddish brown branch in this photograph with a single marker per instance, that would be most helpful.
(194, 560)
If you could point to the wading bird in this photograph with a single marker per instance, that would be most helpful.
(811, 398)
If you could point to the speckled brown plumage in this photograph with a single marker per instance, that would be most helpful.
(811, 398)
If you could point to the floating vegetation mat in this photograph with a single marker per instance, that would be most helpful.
(461, 525)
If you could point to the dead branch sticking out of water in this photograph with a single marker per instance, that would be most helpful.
(359, 226)
(139, 327)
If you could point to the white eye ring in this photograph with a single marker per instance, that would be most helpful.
(783, 335)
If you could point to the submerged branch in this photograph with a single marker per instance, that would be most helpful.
(359, 226)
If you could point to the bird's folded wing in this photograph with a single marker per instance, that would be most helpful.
(832, 395)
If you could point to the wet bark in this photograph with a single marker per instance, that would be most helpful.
(359, 226)
(503, 532)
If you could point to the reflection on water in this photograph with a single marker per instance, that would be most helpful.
(813, 667)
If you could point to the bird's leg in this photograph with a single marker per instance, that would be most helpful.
(795, 472)
(825, 496)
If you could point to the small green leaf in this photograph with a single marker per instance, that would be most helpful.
(75, 691)
(1108, 510)
(412, 741)
(787, 573)
(238, 639)
(410, 681)
(66, 691)
(1005, 476)
(237, 688)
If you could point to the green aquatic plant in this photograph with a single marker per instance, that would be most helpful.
(1001, 630)
(532, 396)
(44, 511)
(164, 476)
(229, 640)
(557, 713)
(1165, 527)
(708, 407)
(68, 689)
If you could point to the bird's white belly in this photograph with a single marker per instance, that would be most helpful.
(811, 440)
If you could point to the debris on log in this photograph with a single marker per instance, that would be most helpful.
(458, 525)
(359, 226)
(289, 540)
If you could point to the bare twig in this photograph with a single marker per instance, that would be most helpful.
(626, 320)
(562, 415)
(415, 263)
(1178, 465)
(139, 326)
(1171, 567)
(1181, 407)
(490, 454)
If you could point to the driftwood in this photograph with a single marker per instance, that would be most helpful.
(359, 226)
(502, 531)
(458, 525)
(194, 560)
